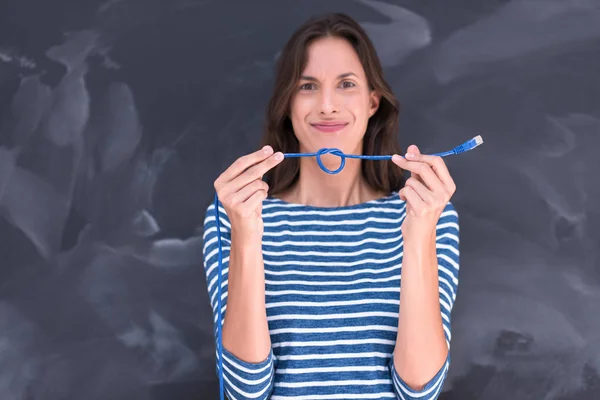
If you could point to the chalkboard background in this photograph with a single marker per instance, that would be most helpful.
(117, 116)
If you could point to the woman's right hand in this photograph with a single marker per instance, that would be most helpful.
(241, 190)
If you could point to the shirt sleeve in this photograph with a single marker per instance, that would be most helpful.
(447, 239)
(242, 380)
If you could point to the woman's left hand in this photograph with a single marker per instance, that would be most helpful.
(427, 191)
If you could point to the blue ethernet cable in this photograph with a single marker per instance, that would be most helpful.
(466, 146)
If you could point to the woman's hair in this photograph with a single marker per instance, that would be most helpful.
(381, 134)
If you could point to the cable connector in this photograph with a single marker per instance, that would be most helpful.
(461, 148)
(469, 145)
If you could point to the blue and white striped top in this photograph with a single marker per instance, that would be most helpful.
(332, 297)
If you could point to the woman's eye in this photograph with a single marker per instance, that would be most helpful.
(306, 86)
(348, 84)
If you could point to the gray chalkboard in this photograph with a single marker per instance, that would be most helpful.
(117, 116)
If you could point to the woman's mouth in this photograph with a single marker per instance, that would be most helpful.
(329, 127)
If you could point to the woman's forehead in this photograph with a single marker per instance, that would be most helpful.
(332, 58)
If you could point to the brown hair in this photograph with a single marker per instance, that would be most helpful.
(381, 134)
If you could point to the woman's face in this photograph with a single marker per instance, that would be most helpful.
(332, 104)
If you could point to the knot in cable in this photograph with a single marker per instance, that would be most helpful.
(335, 152)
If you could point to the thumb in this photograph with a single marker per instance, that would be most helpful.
(413, 149)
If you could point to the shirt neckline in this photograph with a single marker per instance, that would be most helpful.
(277, 201)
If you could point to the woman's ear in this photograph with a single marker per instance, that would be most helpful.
(375, 98)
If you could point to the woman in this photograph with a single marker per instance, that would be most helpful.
(313, 263)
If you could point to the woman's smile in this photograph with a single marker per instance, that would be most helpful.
(329, 126)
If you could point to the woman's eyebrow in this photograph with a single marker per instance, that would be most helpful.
(341, 76)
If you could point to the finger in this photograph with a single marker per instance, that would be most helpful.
(256, 199)
(436, 163)
(243, 163)
(253, 173)
(422, 170)
(413, 149)
(244, 193)
(401, 194)
(257, 171)
(412, 198)
(424, 193)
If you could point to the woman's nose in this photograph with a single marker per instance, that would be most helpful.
(329, 103)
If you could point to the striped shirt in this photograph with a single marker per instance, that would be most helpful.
(332, 295)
